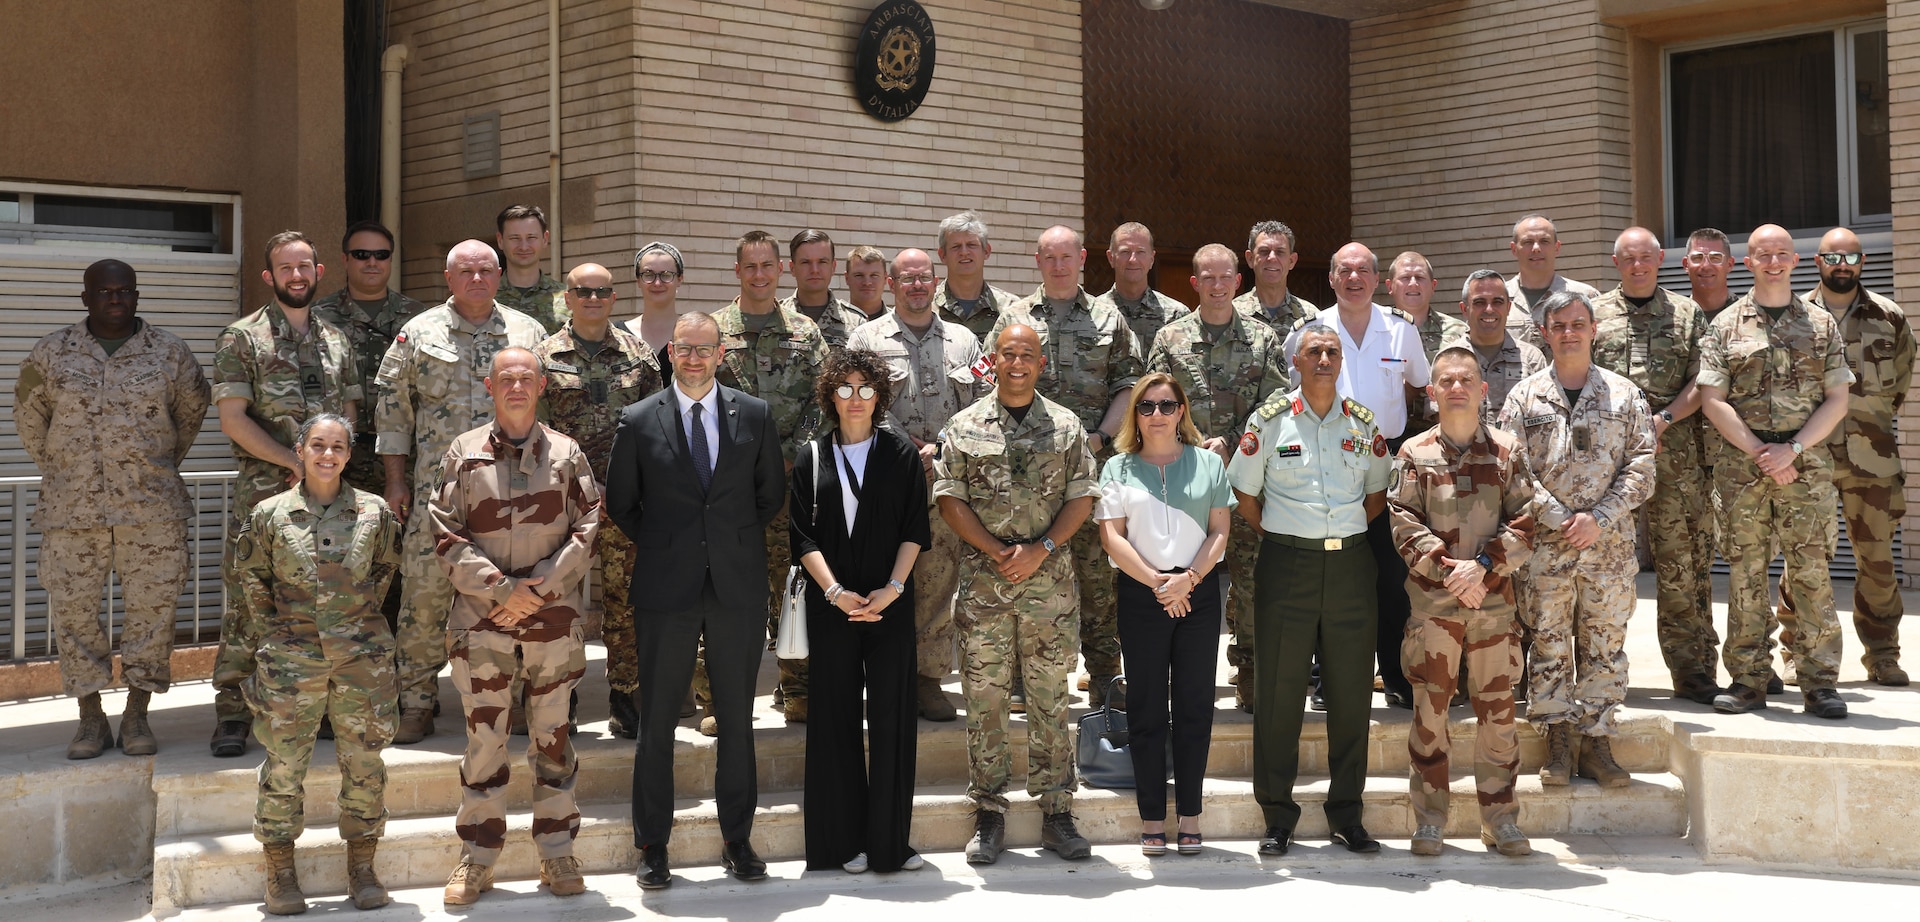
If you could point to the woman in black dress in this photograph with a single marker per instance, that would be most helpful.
(858, 508)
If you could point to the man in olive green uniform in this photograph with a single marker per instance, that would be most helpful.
(432, 387)
(776, 354)
(810, 261)
(1014, 479)
(594, 370)
(272, 369)
(1311, 470)
(1651, 336)
(370, 314)
(1774, 381)
(1272, 252)
(1228, 363)
(1411, 285)
(1091, 364)
(1865, 449)
(523, 239)
(107, 408)
(1536, 253)
(936, 369)
(966, 298)
(1130, 253)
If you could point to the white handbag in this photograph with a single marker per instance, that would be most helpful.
(792, 642)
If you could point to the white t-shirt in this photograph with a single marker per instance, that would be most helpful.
(856, 456)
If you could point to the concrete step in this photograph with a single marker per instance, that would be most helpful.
(196, 794)
(197, 870)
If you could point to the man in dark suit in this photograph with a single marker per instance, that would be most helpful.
(696, 476)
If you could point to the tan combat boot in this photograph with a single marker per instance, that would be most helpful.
(1558, 769)
(1596, 762)
(136, 738)
(283, 884)
(416, 724)
(95, 733)
(362, 884)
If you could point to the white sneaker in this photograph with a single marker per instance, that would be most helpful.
(913, 863)
(858, 865)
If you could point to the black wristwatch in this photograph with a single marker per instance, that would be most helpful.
(1667, 415)
(1047, 543)
(1484, 561)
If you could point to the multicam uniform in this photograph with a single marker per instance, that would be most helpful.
(545, 302)
(1524, 319)
(314, 577)
(1225, 379)
(1440, 329)
(1016, 476)
(1463, 501)
(1283, 315)
(432, 387)
(1595, 457)
(1657, 347)
(1775, 374)
(1145, 316)
(286, 378)
(837, 320)
(934, 376)
(585, 394)
(370, 327)
(503, 513)
(108, 433)
(780, 365)
(992, 302)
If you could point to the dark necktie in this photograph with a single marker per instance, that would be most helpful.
(702, 459)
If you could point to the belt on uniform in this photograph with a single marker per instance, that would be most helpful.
(365, 438)
(1770, 437)
(1013, 540)
(1319, 544)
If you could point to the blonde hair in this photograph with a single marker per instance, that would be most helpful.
(1129, 438)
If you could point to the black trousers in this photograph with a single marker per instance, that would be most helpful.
(666, 643)
(1390, 587)
(1163, 653)
(860, 791)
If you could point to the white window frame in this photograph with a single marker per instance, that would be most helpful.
(108, 238)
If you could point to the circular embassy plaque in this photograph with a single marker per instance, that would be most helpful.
(893, 64)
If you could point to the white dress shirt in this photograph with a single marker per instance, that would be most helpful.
(1375, 372)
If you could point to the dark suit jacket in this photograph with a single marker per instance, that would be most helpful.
(679, 535)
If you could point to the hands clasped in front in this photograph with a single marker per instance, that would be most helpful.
(1175, 591)
(865, 607)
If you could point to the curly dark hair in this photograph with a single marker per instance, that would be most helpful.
(845, 362)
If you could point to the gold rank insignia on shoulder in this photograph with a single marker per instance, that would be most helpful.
(1355, 410)
(1403, 315)
(1274, 404)
(1302, 322)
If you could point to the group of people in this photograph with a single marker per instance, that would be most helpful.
(1012, 484)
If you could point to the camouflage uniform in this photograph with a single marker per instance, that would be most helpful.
(1657, 347)
(837, 320)
(1439, 329)
(1146, 316)
(1016, 477)
(1594, 457)
(111, 497)
(933, 378)
(503, 513)
(1775, 374)
(779, 365)
(1867, 469)
(285, 379)
(314, 577)
(545, 302)
(1283, 316)
(1462, 501)
(1509, 365)
(370, 330)
(992, 302)
(432, 388)
(1523, 318)
(1225, 380)
(584, 397)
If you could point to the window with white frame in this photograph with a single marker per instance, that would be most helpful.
(35, 216)
(1786, 128)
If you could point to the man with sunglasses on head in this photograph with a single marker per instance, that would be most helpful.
(594, 370)
(1865, 449)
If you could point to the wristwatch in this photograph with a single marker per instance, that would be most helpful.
(899, 588)
(1484, 561)
(1797, 447)
(1047, 543)
(1667, 415)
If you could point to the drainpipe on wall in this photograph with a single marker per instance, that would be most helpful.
(553, 130)
(392, 62)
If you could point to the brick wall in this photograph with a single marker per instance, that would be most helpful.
(1903, 78)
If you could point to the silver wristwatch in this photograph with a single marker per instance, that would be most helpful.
(899, 588)
(1797, 447)
(1047, 543)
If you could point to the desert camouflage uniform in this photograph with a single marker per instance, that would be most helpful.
(1146, 316)
(1512, 363)
(260, 359)
(432, 387)
(1091, 355)
(1657, 347)
(503, 513)
(108, 434)
(837, 320)
(584, 397)
(545, 302)
(1283, 316)
(315, 577)
(1461, 502)
(779, 365)
(1225, 380)
(1775, 375)
(1523, 318)
(370, 332)
(1867, 469)
(1594, 457)
(992, 302)
(1016, 477)
(933, 378)
(1439, 330)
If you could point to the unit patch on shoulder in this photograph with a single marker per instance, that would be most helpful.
(1249, 444)
(1379, 445)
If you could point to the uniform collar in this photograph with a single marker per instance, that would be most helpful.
(531, 454)
(342, 503)
(495, 322)
(1080, 300)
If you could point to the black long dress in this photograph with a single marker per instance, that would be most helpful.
(860, 799)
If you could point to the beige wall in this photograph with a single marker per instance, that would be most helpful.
(210, 96)
(695, 121)
(1903, 78)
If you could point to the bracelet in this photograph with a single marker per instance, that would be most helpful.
(833, 592)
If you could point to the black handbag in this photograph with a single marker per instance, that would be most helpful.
(1105, 756)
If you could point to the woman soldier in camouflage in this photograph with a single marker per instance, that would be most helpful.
(315, 562)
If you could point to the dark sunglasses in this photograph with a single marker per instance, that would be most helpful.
(1166, 407)
(1834, 259)
(364, 255)
(585, 294)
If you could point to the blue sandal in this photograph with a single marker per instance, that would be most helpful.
(1153, 844)
(1190, 843)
